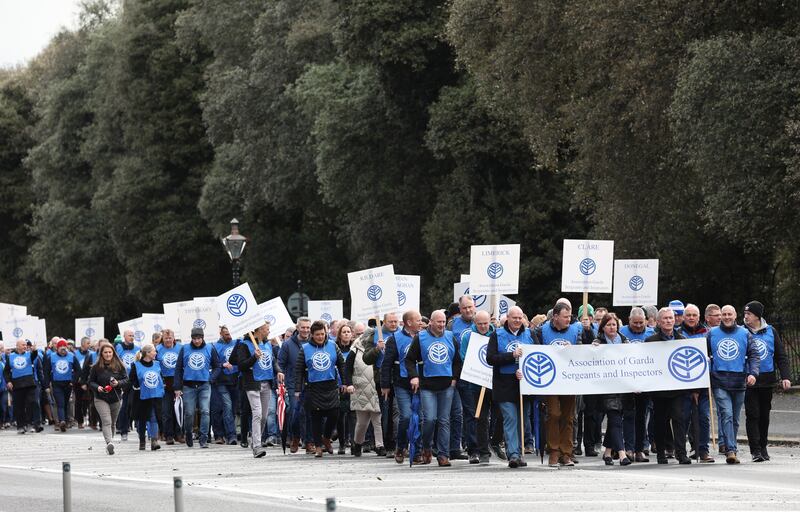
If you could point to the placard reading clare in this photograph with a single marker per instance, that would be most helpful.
(623, 368)
(476, 369)
(373, 292)
(494, 269)
(274, 311)
(328, 310)
(238, 310)
(408, 289)
(587, 266)
(635, 282)
(93, 328)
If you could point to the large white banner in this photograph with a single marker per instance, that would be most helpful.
(476, 369)
(408, 289)
(328, 310)
(587, 266)
(18, 328)
(373, 292)
(239, 311)
(494, 269)
(274, 311)
(141, 333)
(93, 328)
(623, 368)
(482, 302)
(635, 282)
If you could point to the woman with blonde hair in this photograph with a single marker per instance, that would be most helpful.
(148, 387)
(107, 380)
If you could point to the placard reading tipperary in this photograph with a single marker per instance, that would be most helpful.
(373, 292)
(635, 282)
(408, 289)
(476, 369)
(587, 266)
(328, 310)
(624, 368)
(494, 269)
(238, 310)
(171, 314)
(93, 328)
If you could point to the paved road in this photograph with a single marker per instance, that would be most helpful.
(224, 476)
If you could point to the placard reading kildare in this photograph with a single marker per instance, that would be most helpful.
(476, 369)
(274, 311)
(239, 311)
(494, 269)
(408, 288)
(587, 266)
(625, 368)
(328, 310)
(93, 328)
(373, 292)
(482, 302)
(635, 282)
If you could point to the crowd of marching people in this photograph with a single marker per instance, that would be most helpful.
(393, 388)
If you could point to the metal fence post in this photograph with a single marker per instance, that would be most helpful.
(330, 504)
(177, 485)
(66, 471)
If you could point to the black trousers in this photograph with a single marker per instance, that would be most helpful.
(668, 411)
(757, 405)
(323, 421)
(640, 421)
(24, 400)
(592, 421)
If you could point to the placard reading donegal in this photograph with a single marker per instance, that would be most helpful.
(624, 368)
(494, 269)
(587, 266)
(476, 369)
(373, 292)
(635, 282)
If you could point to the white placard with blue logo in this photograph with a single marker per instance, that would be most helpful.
(482, 302)
(373, 292)
(494, 269)
(158, 321)
(624, 368)
(274, 311)
(327, 310)
(503, 305)
(171, 314)
(408, 289)
(40, 332)
(238, 310)
(141, 332)
(9, 311)
(93, 328)
(202, 314)
(635, 282)
(476, 369)
(18, 328)
(587, 266)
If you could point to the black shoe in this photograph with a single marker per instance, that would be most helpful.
(513, 463)
(340, 451)
(38, 428)
(484, 458)
(458, 456)
(355, 450)
(499, 452)
(243, 444)
(683, 459)
(662, 460)
(203, 443)
(608, 460)
(189, 441)
(764, 453)
(625, 461)
(591, 453)
(640, 458)
(380, 451)
(577, 450)
(757, 457)
(523, 464)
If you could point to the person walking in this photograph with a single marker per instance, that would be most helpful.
(107, 381)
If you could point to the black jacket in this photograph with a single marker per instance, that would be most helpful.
(614, 401)
(505, 388)
(414, 357)
(780, 358)
(242, 358)
(390, 369)
(659, 336)
(318, 395)
(100, 376)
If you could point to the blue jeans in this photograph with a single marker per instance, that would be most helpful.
(124, 418)
(403, 398)
(295, 423)
(272, 417)
(456, 423)
(469, 400)
(510, 411)
(701, 445)
(628, 428)
(61, 394)
(222, 403)
(730, 407)
(197, 398)
(435, 407)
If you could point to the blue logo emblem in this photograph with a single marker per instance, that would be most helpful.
(503, 306)
(560, 341)
(170, 359)
(200, 323)
(438, 353)
(538, 369)
(228, 352)
(374, 292)
(479, 300)
(20, 363)
(17, 332)
(321, 361)
(482, 356)
(587, 266)
(687, 364)
(89, 332)
(401, 298)
(197, 361)
(636, 283)
(495, 270)
(151, 380)
(270, 319)
(128, 358)
(265, 361)
(761, 347)
(138, 335)
(237, 305)
(62, 366)
(512, 346)
(728, 349)
(156, 327)
(327, 317)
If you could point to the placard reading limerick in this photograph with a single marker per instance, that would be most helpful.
(494, 269)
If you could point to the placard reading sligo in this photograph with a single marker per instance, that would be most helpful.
(623, 368)
(635, 282)
(494, 269)
(587, 266)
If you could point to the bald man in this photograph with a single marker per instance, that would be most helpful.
(127, 353)
(477, 431)
(20, 374)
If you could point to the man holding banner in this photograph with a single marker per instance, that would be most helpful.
(502, 353)
(477, 431)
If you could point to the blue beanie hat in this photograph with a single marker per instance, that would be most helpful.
(676, 306)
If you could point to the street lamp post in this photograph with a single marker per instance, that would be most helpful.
(234, 246)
